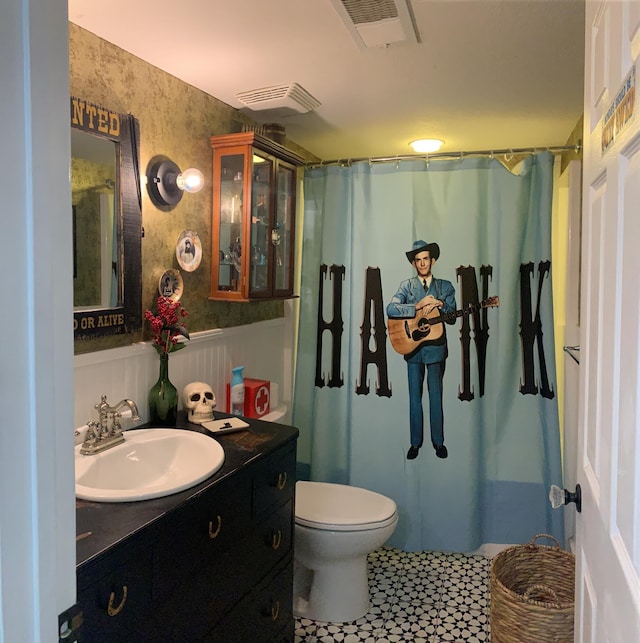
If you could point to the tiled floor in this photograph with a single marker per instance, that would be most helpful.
(422, 597)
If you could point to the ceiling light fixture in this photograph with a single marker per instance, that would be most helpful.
(426, 145)
(166, 182)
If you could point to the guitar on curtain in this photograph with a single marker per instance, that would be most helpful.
(407, 335)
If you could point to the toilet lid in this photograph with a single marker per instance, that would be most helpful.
(325, 503)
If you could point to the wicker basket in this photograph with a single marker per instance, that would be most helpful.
(532, 594)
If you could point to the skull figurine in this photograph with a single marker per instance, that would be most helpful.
(199, 400)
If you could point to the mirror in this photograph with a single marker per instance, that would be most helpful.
(107, 221)
(95, 219)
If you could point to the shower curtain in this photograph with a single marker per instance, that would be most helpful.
(493, 228)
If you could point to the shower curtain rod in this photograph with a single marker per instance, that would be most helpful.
(558, 149)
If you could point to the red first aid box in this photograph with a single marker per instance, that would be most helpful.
(257, 397)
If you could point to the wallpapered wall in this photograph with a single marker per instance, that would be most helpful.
(176, 120)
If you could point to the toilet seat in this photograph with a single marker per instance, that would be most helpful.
(329, 506)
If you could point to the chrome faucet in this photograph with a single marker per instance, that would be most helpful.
(107, 431)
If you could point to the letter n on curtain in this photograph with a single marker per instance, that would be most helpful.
(493, 230)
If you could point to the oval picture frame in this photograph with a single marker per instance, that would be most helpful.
(189, 250)
(171, 285)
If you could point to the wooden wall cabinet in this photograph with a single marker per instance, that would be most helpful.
(253, 220)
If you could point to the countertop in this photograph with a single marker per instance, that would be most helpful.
(101, 525)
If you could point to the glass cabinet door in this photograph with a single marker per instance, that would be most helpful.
(282, 234)
(231, 221)
(261, 258)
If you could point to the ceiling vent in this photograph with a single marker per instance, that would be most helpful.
(279, 100)
(377, 23)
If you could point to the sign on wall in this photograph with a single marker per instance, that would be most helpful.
(620, 111)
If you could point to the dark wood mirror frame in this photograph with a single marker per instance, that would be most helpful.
(122, 129)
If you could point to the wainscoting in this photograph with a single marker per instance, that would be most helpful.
(264, 348)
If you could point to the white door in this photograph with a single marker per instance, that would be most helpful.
(608, 529)
(37, 500)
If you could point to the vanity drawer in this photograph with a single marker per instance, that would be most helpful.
(201, 600)
(275, 480)
(199, 562)
(270, 541)
(265, 615)
(117, 605)
(196, 546)
(212, 588)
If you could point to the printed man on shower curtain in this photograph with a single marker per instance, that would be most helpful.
(418, 300)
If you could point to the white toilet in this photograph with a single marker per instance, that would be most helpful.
(335, 529)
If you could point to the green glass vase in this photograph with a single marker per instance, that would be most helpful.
(163, 397)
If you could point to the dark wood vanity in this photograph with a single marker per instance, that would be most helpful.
(211, 563)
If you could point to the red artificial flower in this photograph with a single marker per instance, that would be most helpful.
(165, 326)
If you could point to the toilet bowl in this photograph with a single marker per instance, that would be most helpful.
(336, 527)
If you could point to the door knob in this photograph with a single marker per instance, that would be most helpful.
(559, 497)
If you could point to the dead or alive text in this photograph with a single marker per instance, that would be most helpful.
(99, 321)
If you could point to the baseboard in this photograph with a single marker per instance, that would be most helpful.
(489, 550)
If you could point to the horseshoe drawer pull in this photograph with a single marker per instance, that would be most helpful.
(111, 610)
(213, 533)
(276, 540)
(282, 481)
(275, 610)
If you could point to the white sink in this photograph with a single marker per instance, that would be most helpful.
(151, 463)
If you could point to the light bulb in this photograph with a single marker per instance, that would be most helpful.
(191, 180)
(426, 145)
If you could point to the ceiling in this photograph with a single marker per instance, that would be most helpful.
(483, 74)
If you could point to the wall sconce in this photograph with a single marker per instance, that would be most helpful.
(166, 182)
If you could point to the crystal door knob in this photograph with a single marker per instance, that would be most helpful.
(559, 497)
